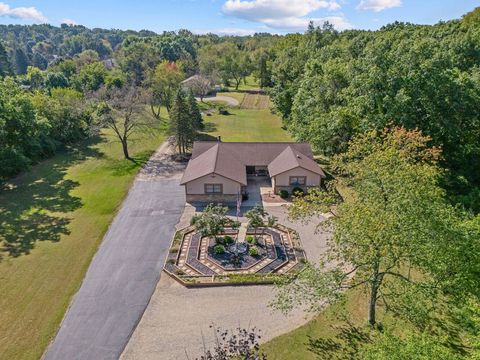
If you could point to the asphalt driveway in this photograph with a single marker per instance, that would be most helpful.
(124, 273)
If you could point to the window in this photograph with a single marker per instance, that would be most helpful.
(213, 188)
(298, 180)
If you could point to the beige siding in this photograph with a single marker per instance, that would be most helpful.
(197, 186)
(283, 179)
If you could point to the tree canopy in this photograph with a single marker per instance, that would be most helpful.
(396, 235)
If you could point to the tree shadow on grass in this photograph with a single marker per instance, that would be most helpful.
(33, 208)
(345, 345)
(209, 127)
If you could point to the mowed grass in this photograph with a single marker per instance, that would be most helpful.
(336, 333)
(246, 125)
(52, 220)
(341, 330)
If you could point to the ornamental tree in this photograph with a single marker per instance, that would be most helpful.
(211, 221)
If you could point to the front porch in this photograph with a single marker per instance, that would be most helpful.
(256, 186)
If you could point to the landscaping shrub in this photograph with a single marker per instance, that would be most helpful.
(253, 251)
(223, 111)
(219, 249)
(250, 239)
(228, 240)
(297, 191)
(219, 241)
(283, 194)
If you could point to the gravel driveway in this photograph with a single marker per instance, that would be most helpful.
(123, 274)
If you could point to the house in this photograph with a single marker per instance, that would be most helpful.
(220, 171)
(198, 84)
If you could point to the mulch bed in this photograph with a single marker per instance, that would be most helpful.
(226, 260)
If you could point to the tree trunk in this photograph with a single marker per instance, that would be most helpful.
(125, 149)
(372, 305)
(156, 113)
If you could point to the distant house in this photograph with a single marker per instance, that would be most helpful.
(198, 84)
(219, 171)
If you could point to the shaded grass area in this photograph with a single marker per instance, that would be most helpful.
(250, 83)
(245, 125)
(52, 220)
(341, 330)
(331, 335)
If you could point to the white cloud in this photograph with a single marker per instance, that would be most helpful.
(68, 21)
(25, 13)
(256, 10)
(288, 15)
(378, 5)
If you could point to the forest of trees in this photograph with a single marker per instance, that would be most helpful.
(396, 112)
(59, 85)
(326, 85)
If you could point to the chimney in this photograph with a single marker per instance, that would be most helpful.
(219, 139)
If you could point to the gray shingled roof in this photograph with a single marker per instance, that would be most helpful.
(229, 159)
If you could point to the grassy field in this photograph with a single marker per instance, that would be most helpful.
(250, 84)
(52, 220)
(246, 125)
(331, 335)
(341, 330)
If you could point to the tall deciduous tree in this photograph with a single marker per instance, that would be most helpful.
(164, 82)
(120, 110)
(200, 86)
(396, 224)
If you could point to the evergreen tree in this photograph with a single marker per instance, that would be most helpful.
(20, 62)
(194, 111)
(5, 68)
(181, 122)
(39, 61)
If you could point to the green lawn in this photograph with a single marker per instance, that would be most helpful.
(341, 330)
(250, 83)
(330, 335)
(52, 220)
(246, 125)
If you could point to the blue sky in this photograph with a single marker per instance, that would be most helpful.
(232, 16)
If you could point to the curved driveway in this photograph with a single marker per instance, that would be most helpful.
(124, 272)
(227, 99)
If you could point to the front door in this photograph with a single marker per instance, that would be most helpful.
(250, 170)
